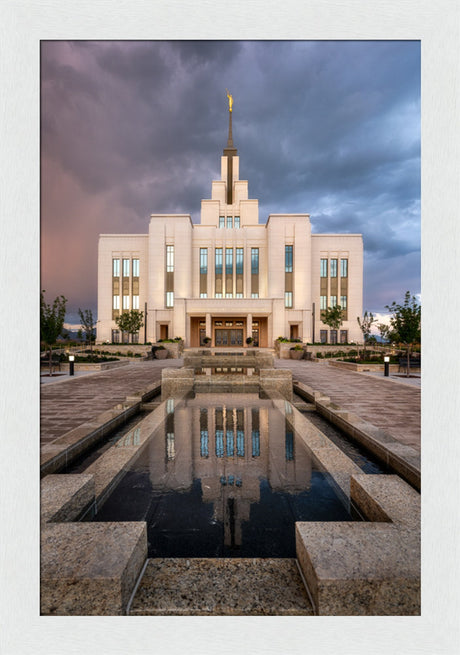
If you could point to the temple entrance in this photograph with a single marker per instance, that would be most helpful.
(228, 337)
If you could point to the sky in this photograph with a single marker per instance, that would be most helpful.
(328, 128)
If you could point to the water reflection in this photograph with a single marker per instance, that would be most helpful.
(224, 478)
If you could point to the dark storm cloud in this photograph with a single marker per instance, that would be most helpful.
(327, 128)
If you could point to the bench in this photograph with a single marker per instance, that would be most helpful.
(55, 361)
(413, 363)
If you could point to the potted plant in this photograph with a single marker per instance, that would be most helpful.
(296, 352)
(161, 352)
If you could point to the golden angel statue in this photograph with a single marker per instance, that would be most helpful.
(230, 100)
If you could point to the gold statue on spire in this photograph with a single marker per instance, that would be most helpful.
(230, 100)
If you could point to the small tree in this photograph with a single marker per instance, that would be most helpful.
(332, 317)
(365, 325)
(405, 321)
(51, 322)
(88, 324)
(384, 331)
(130, 322)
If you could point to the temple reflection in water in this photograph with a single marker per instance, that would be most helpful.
(229, 445)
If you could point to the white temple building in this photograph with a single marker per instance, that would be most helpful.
(230, 277)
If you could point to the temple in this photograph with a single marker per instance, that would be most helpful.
(230, 277)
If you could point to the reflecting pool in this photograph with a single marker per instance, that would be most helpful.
(224, 476)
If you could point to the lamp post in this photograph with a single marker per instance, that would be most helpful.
(386, 363)
(71, 364)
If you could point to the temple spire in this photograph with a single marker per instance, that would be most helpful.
(230, 151)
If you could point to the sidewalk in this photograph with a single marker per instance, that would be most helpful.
(67, 402)
(392, 405)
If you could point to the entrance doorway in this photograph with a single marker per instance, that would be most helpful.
(164, 331)
(294, 332)
(232, 337)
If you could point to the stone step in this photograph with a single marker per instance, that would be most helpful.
(221, 587)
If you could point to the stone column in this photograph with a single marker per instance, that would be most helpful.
(249, 325)
(208, 326)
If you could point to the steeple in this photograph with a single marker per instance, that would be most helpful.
(230, 151)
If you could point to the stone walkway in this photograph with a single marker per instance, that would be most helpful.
(392, 406)
(66, 404)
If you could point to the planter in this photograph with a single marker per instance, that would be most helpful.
(296, 354)
(161, 354)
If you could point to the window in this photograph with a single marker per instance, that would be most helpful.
(288, 299)
(344, 268)
(228, 261)
(170, 299)
(221, 221)
(125, 302)
(218, 261)
(238, 295)
(333, 301)
(135, 268)
(343, 336)
(116, 267)
(254, 295)
(135, 302)
(239, 261)
(333, 268)
(333, 336)
(323, 268)
(169, 259)
(203, 261)
(126, 268)
(323, 302)
(254, 261)
(343, 302)
(288, 259)
(203, 294)
(229, 222)
(229, 294)
(218, 295)
(323, 336)
(115, 336)
(237, 222)
(116, 302)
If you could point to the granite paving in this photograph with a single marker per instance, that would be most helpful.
(391, 406)
(66, 404)
(221, 587)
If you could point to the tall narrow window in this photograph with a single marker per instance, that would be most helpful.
(323, 302)
(239, 272)
(333, 268)
(344, 268)
(116, 267)
(203, 272)
(218, 273)
(254, 272)
(125, 302)
(229, 222)
(135, 268)
(237, 222)
(116, 288)
(229, 272)
(288, 275)
(116, 302)
(125, 267)
(135, 302)
(323, 268)
(333, 301)
(221, 221)
(169, 259)
(343, 302)
(169, 280)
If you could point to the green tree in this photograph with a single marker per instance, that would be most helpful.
(51, 322)
(332, 317)
(365, 324)
(88, 324)
(405, 322)
(384, 331)
(130, 322)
